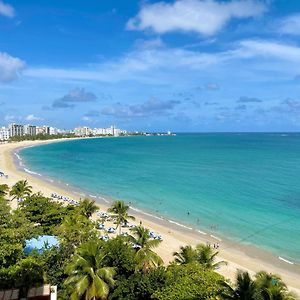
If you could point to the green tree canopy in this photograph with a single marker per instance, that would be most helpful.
(207, 257)
(21, 190)
(75, 230)
(87, 207)
(44, 212)
(4, 189)
(91, 278)
(187, 254)
(119, 211)
(190, 281)
(146, 258)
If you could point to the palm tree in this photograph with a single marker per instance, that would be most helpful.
(21, 189)
(3, 190)
(120, 212)
(207, 257)
(90, 278)
(245, 288)
(87, 207)
(146, 258)
(186, 255)
(270, 287)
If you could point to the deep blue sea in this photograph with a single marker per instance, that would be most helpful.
(242, 186)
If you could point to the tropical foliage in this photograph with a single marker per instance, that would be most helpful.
(89, 276)
(146, 258)
(125, 267)
(87, 207)
(21, 190)
(119, 211)
(203, 254)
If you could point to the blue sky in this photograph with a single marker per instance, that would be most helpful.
(185, 65)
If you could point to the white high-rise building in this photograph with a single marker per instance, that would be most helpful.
(43, 129)
(53, 131)
(82, 131)
(4, 134)
(29, 130)
(16, 130)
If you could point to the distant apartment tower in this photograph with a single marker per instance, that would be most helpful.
(4, 134)
(30, 130)
(16, 130)
(46, 129)
(53, 131)
(82, 131)
(43, 130)
(108, 131)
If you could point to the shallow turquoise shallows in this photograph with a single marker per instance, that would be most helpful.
(242, 186)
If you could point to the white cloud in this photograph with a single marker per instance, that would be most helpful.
(6, 10)
(10, 67)
(168, 64)
(85, 118)
(253, 48)
(290, 25)
(33, 118)
(133, 66)
(10, 118)
(205, 17)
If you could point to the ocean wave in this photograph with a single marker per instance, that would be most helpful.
(146, 214)
(216, 238)
(18, 156)
(31, 172)
(202, 232)
(180, 225)
(285, 260)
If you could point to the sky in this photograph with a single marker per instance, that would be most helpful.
(180, 65)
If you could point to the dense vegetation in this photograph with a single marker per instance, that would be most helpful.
(125, 267)
(40, 137)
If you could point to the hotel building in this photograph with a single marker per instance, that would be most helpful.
(29, 130)
(4, 134)
(16, 130)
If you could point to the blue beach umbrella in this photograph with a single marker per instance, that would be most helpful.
(40, 243)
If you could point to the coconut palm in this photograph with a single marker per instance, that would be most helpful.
(270, 287)
(245, 288)
(146, 258)
(91, 279)
(87, 207)
(3, 190)
(20, 190)
(207, 257)
(186, 255)
(119, 212)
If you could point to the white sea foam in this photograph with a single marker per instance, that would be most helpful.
(147, 214)
(18, 156)
(285, 260)
(202, 232)
(93, 196)
(215, 237)
(31, 172)
(103, 199)
(180, 225)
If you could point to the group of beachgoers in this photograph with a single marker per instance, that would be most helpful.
(111, 230)
(105, 217)
(64, 198)
(214, 245)
(2, 174)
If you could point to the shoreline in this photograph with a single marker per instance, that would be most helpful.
(175, 234)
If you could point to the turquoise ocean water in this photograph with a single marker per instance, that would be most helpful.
(242, 186)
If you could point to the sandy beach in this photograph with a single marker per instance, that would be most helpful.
(174, 235)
